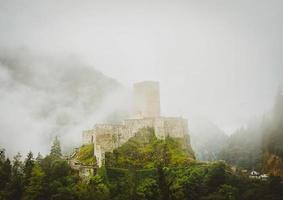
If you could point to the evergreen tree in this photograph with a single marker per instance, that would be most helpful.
(35, 189)
(28, 166)
(5, 174)
(216, 176)
(15, 187)
(55, 152)
(38, 158)
(5, 169)
(2, 156)
(162, 183)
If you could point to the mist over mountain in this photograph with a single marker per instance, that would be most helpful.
(258, 145)
(244, 147)
(55, 95)
(141, 100)
(207, 139)
(273, 140)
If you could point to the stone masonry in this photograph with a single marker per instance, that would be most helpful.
(107, 137)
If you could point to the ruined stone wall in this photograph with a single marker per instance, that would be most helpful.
(107, 137)
(176, 127)
(170, 127)
(133, 125)
(88, 136)
(163, 126)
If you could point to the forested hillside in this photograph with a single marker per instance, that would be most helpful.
(273, 140)
(166, 177)
(259, 145)
(244, 147)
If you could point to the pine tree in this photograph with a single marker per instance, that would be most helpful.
(15, 186)
(56, 149)
(5, 175)
(5, 169)
(35, 189)
(38, 158)
(2, 156)
(28, 166)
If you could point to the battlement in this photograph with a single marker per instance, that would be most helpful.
(107, 126)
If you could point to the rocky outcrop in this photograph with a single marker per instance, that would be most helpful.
(273, 165)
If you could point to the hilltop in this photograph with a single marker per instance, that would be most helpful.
(145, 150)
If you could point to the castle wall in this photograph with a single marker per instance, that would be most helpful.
(88, 136)
(133, 125)
(107, 137)
(170, 127)
(176, 127)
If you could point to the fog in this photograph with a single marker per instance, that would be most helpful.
(47, 96)
(221, 60)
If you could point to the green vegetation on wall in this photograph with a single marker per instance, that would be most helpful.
(86, 155)
(146, 151)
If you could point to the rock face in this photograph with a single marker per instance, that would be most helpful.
(273, 164)
(107, 137)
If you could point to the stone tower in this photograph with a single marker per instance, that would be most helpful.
(146, 99)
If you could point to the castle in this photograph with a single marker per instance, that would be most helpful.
(107, 137)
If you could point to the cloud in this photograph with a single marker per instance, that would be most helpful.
(219, 59)
(43, 96)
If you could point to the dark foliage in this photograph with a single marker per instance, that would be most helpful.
(168, 178)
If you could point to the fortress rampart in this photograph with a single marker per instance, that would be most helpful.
(107, 137)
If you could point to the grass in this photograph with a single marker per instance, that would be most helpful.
(86, 155)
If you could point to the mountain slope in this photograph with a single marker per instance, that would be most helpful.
(260, 145)
(51, 95)
(244, 147)
(206, 138)
(273, 140)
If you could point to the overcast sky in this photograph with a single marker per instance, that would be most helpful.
(218, 59)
